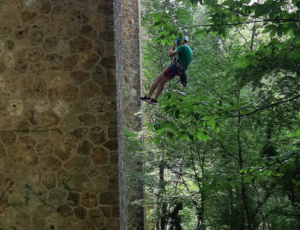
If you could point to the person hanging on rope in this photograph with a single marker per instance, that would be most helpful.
(177, 68)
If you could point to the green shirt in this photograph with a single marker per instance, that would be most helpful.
(185, 55)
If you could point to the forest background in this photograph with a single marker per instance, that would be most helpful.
(222, 153)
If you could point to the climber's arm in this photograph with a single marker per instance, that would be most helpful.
(172, 52)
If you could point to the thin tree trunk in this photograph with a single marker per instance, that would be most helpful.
(243, 187)
(231, 208)
(202, 192)
(252, 37)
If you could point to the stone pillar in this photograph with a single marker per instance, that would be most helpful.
(131, 48)
(58, 122)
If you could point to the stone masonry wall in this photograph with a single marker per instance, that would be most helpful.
(132, 87)
(58, 125)
(131, 62)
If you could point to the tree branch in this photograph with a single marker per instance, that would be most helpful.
(240, 23)
(268, 106)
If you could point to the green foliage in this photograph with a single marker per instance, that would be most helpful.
(230, 144)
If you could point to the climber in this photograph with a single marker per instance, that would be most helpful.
(177, 68)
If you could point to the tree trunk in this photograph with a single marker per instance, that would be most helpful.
(243, 187)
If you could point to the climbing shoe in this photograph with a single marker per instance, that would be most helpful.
(145, 98)
(152, 101)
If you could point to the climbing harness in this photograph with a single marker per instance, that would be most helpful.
(178, 70)
(183, 79)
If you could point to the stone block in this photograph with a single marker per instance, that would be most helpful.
(50, 164)
(106, 9)
(31, 115)
(77, 164)
(96, 216)
(69, 92)
(49, 119)
(89, 32)
(54, 221)
(89, 90)
(10, 185)
(99, 184)
(99, 75)
(77, 135)
(5, 30)
(106, 211)
(78, 182)
(79, 16)
(40, 133)
(68, 123)
(68, 30)
(56, 135)
(65, 150)
(89, 60)
(30, 158)
(62, 176)
(59, 14)
(49, 180)
(111, 76)
(109, 198)
(87, 120)
(113, 223)
(97, 135)
(111, 144)
(57, 196)
(26, 143)
(44, 6)
(84, 148)
(80, 212)
(40, 88)
(88, 225)
(53, 61)
(89, 200)
(23, 220)
(21, 65)
(50, 44)
(64, 210)
(35, 54)
(100, 156)
(36, 37)
(78, 77)
(3, 197)
(28, 13)
(109, 90)
(2, 150)
(107, 36)
(108, 62)
(72, 62)
(39, 22)
(61, 108)
(73, 199)
(21, 31)
(44, 148)
(80, 44)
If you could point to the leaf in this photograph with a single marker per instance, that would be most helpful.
(212, 123)
(170, 136)
(177, 113)
(157, 18)
(157, 141)
(261, 10)
(272, 34)
(199, 32)
(269, 28)
(199, 135)
(165, 33)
